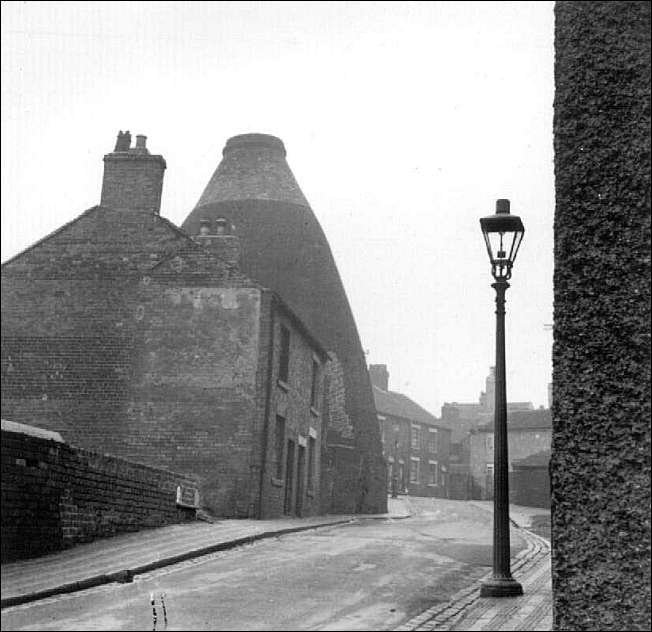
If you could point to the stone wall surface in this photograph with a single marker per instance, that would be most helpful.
(600, 468)
(55, 495)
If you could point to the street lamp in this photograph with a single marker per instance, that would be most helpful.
(502, 234)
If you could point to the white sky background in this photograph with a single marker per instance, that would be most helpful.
(403, 123)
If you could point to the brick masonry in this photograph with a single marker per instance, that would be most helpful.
(123, 334)
(55, 495)
(600, 469)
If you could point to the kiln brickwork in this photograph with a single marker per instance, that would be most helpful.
(55, 495)
(600, 469)
(284, 247)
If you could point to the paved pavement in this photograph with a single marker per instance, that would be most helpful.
(467, 611)
(122, 557)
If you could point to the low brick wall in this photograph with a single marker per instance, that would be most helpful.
(530, 486)
(55, 495)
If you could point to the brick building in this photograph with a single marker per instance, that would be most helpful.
(416, 447)
(285, 249)
(123, 333)
(529, 432)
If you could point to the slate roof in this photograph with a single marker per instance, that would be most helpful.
(399, 405)
(524, 420)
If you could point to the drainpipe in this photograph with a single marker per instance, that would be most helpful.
(268, 405)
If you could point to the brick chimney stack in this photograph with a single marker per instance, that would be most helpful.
(219, 237)
(133, 178)
(379, 376)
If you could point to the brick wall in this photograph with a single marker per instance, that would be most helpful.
(530, 486)
(133, 181)
(600, 464)
(120, 332)
(291, 401)
(55, 495)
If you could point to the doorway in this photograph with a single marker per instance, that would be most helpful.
(301, 466)
(289, 478)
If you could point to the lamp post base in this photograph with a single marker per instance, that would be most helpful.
(501, 587)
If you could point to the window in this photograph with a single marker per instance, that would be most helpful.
(414, 470)
(314, 387)
(311, 462)
(433, 440)
(279, 441)
(433, 478)
(284, 357)
(415, 437)
(489, 442)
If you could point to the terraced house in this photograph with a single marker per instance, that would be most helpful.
(416, 447)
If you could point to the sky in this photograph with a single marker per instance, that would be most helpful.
(403, 123)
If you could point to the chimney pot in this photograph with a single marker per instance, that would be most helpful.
(141, 142)
(204, 227)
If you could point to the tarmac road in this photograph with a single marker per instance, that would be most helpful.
(368, 575)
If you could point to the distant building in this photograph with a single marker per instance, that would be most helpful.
(529, 432)
(415, 445)
(124, 334)
(464, 418)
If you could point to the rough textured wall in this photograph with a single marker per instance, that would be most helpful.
(133, 180)
(123, 335)
(284, 247)
(193, 403)
(600, 469)
(291, 401)
(55, 495)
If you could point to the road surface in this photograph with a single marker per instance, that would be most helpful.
(368, 575)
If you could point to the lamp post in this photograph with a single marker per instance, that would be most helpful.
(502, 234)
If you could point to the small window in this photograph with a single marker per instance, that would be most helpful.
(314, 387)
(284, 357)
(279, 442)
(414, 470)
(433, 440)
(415, 437)
(311, 462)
